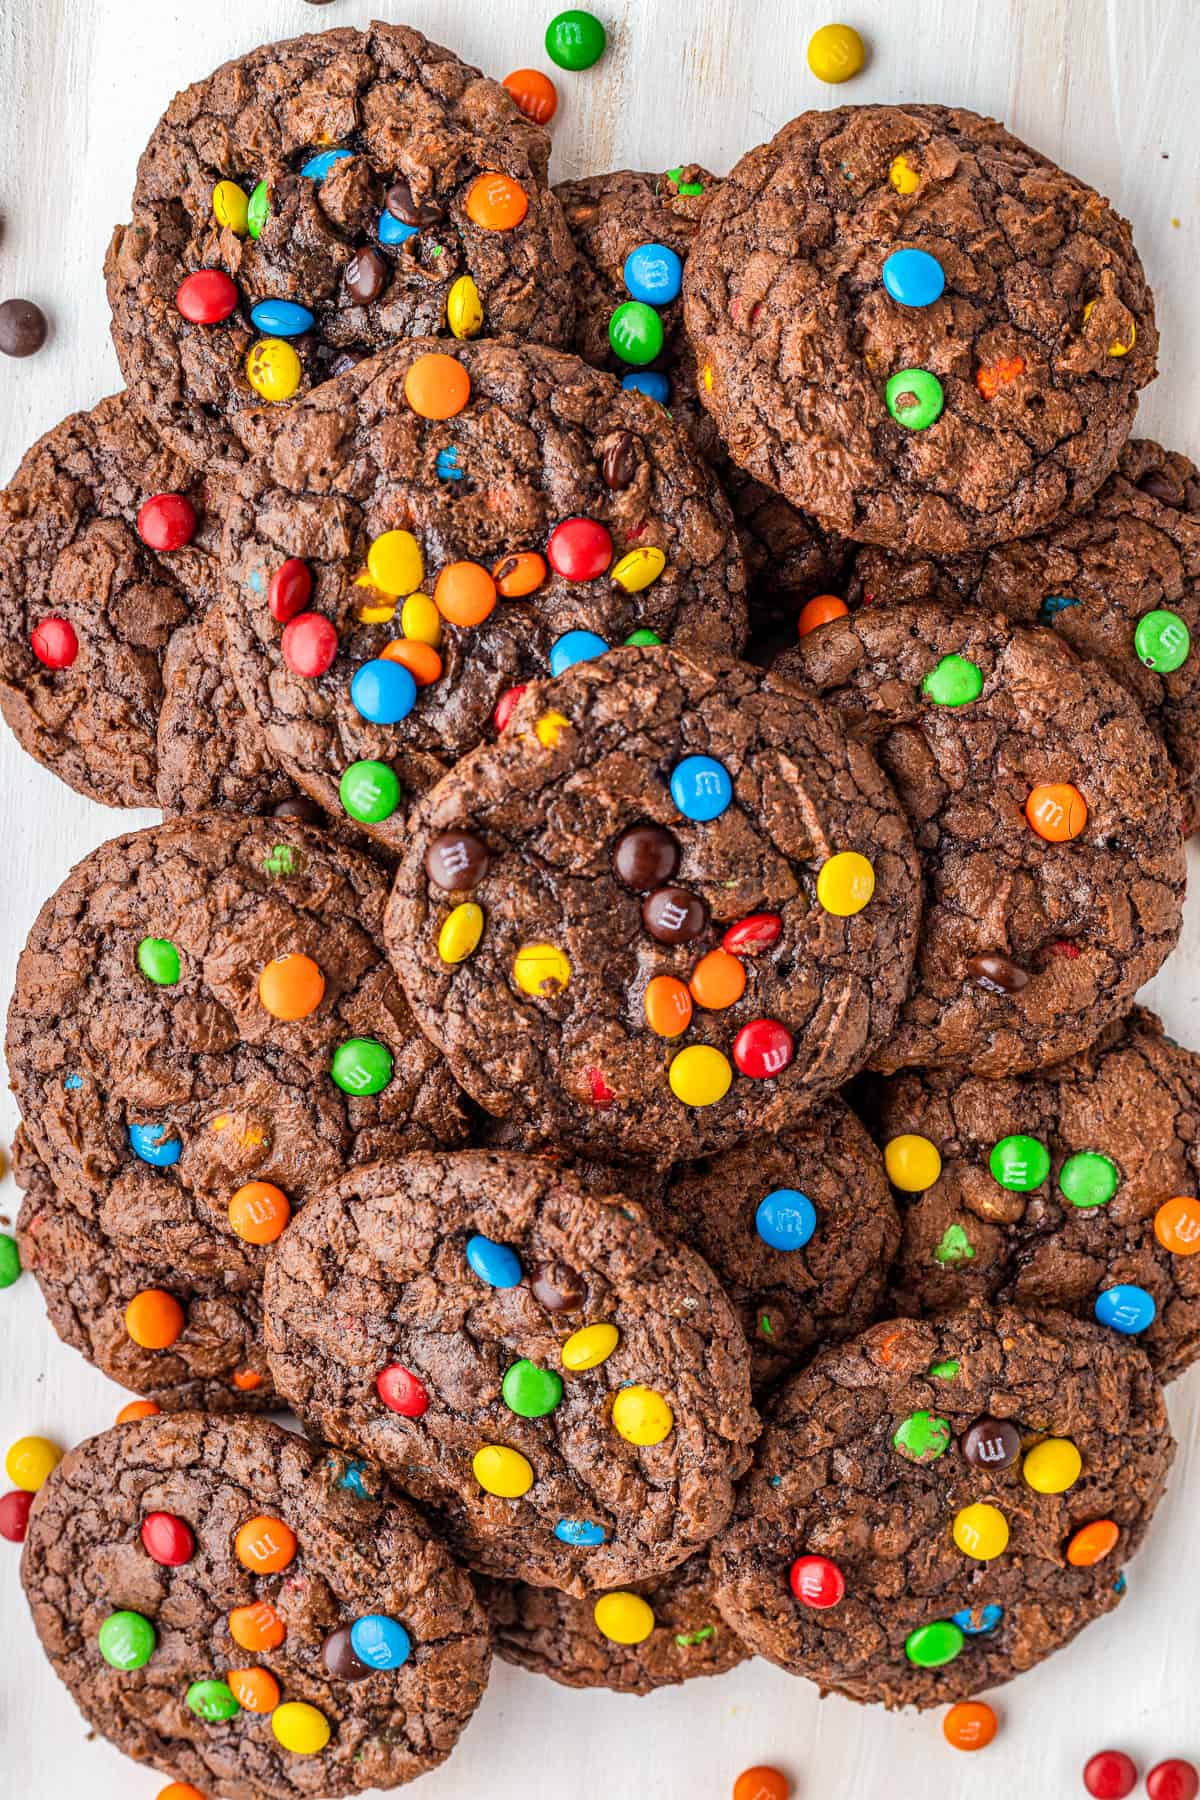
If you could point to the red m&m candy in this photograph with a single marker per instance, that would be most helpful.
(1173, 1780)
(505, 705)
(290, 590)
(54, 642)
(206, 297)
(14, 1515)
(166, 521)
(167, 1540)
(763, 1048)
(401, 1391)
(309, 644)
(579, 549)
(817, 1582)
(1109, 1775)
(752, 934)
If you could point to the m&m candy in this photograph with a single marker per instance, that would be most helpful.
(753, 934)
(529, 1391)
(212, 1701)
(1052, 1466)
(633, 573)
(701, 788)
(361, 1066)
(206, 297)
(519, 574)
(496, 1264)
(259, 1212)
(913, 277)
(259, 209)
(393, 232)
(579, 549)
(1177, 1226)
(822, 609)
(137, 1409)
(1162, 640)
(402, 1392)
(763, 1049)
(667, 1005)
(379, 1641)
(1092, 1543)
(14, 1515)
(465, 593)
(575, 647)
(585, 1534)
(922, 1437)
(309, 644)
(836, 53)
(641, 1416)
(718, 981)
(369, 792)
(1019, 1163)
(971, 1725)
(10, 1260)
(590, 1346)
(534, 94)
(1088, 1179)
(915, 399)
(319, 165)
(167, 1539)
(257, 1628)
(158, 959)
(1057, 811)
(54, 642)
(785, 1219)
(1110, 1775)
(30, 1461)
(501, 1471)
(575, 39)
(496, 203)
(980, 1531)
(1126, 1308)
(700, 1075)
(932, 1646)
(762, 1782)
(383, 691)
(653, 273)
(541, 969)
(436, 386)
(154, 1319)
(1173, 1779)
(635, 332)
(264, 1545)
(300, 1728)
(289, 590)
(464, 309)
(274, 370)
(460, 932)
(651, 382)
(291, 986)
(281, 318)
(231, 207)
(955, 681)
(166, 521)
(845, 883)
(155, 1144)
(255, 1690)
(623, 1618)
(817, 1582)
(913, 1163)
(126, 1640)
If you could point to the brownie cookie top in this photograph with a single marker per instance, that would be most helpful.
(462, 523)
(916, 327)
(799, 1229)
(649, 1635)
(936, 1506)
(1047, 821)
(206, 1004)
(566, 1391)
(672, 908)
(146, 1282)
(317, 200)
(105, 550)
(1074, 1187)
(249, 1613)
(1120, 581)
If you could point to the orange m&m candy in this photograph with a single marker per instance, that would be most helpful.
(154, 1319)
(1057, 811)
(256, 1628)
(1092, 1543)
(718, 980)
(819, 611)
(291, 987)
(421, 660)
(437, 386)
(1177, 1226)
(246, 1380)
(761, 1783)
(668, 1006)
(534, 93)
(519, 574)
(465, 593)
(971, 1725)
(255, 1690)
(259, 1212)
(137, 1409)
(180, 1790)
(497, 202)
(264, 1545)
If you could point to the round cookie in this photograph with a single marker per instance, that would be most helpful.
(1120, 581)
(768, 867)
(799, 1229)
(1059, 1187)
(583, 503)
(551, 1633)
(944, 402)
(404, 196)
(81, 586)
(94, 1257)
(563, 1389)
(149, 1036)
(1047, 821)
(910, 1485)
(156, 1541)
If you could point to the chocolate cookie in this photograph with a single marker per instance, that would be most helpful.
(916, 327)
(1120, 581)
(110, 1265)
(566, 1391)
(1046, 817)
(1072, 1188)
(552, 515)
(105, 550)
(649, 1635)
(936, 1506)
(316, 200)
(244, 1611)
(672, 908)
(799, 1229)
(206, 1004)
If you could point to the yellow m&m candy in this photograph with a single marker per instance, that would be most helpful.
(836, 53)
(461, 932)
(29, 1461)
(273, 370)
(638, 569)
(641, 1416)
(589, 1347)
(700, 1075)
(912, 1163)
(903, 176)
(421, 621)
(541, 969)
(623, 1618)
(845, 883)
(501, 1471)
(464, 309)
(1052, 1466)
(231, 207)
(549, 728)
(300, 1728)
(395, 563)
(981, 1531)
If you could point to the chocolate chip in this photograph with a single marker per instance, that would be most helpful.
(305, 810)
(365, 275)
(400, 203)
(618, 465)
(1159, 486)
(337, 1654)
(645, 856)
(673, 916)
(22, 328)
(558, 1287)
(456, 859)
(991, 1444)
(996, 973)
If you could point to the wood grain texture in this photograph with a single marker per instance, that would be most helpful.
(1112, 91)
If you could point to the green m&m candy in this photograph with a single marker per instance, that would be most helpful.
(690, 188)
(575, 39)
(635, 332)
(126, 1640)
(1019, 1163)
(370, 792)
(158, 959)
(1162, 640)
(932, 1646)
(643, 637)
(956, 681)
(922, 1437)
(213, 1701)
(531, 1392)
(10, 1260)
(915, 398)
(1088, 1179)
(259, 210)
(361, 1066)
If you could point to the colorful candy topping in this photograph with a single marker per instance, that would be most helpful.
(282, 318)
(822, 609)
(167, 1539)
(496, 203)
(1092, 1543)
(383, 691)
(915, 398)
(256, 1628)
(575, 647)
(495, 1264)
(636, 571)
(503, 1472)
(579, 549)
(969, 1725)
(913, 1163)
(519, 574)
(653, 273)
(954, 1247)
(1057, 811)
(126, 1640)
(317, 167)
(641, 1416)
(158, 959)
(1019, 1163)
(166, 522)
(1126, 1308)
(259, 210)
(1177, 1226)
(786, 1219)
(289, 590)
(460, 933)
(588, 1347)
(300, 1728)
(635, 332)
(756, 932)
(991, 1443)
(913, 277)
(978, 1621)
(542, 970)
(922, 1437)
(206, 298)
(291, 986)
(994, 376)
(137, 1409)
(845, 883)
(531, 1392)
(259, 1212)
(980, 1531)
(1109, 1775)
(668, 1006)
(361, 1066)
(956, 681)
(465, 594)
(836, 53)
(264, 1545)
(402, 1392)
(585, 1534)
(154, 1319)
(932, 1646)
(575, 39)
(903, 176)
(273, 370)
(309, 645)
(718, 981)
(645, 857)
(817, 1582)
(456, 860)
(701, 788)
(1088, 1179)
(231, 207)
(255, 1690)
(212, 1701)
(763, 1049)
(369, 792)
(1162, 640)
(623, 1618)
(54, 642)
(380, 1642)
(1052, 1466)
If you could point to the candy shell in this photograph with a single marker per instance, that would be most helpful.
(281, 318)
(501, 1471)
(641, 1416)
(300, 1728)
(623, 1618)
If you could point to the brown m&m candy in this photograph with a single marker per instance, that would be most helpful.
(645, 856)
(997, 973)
(558, 1287)
(22, 328)
(618, 465)
(991, 1444)
(366, 273)
(400, 203)
(673, 916)
(340, 1659)
(456, 860)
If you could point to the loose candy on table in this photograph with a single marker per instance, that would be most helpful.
(10, 1260)
(970, 1725)
(836, 53)
(1173, 1779)
(1110, 1775)
(137, 1409)
(534, 94)
(23, 328)
(14, 1515)
(369, 792)
(183, 1790)
(575, 39)
(762, 1782)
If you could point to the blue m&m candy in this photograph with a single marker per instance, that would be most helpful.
(653, 273)
(575, 647)
(383, 691)
(913, 277)
(701, 788)
(494, 1263)
(380, 1642)
(650, 382)
(786, 1219)
(979, 1622)
(281, 318)
(394, 231)
(1126, 1308)
(155, 1144)
(584, 1532)
(317, 167)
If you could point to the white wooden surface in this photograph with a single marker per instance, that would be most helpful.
(1112, 91)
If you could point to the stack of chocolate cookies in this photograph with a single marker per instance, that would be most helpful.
(674, 705)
